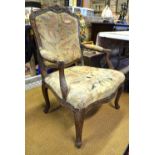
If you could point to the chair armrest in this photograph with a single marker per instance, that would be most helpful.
(99, 49)
(96, 48)
(63, 83)
(60, 66)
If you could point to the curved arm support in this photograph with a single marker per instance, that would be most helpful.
(109, 63)
(99, 49)
(63, 83)
(95, 47)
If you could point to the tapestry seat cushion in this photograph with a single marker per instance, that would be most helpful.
(86, 84)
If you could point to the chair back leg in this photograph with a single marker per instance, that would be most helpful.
(119, 92)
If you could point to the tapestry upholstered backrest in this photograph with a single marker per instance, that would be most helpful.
(58, 34)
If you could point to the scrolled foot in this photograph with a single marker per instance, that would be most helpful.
(46, 109)
(117, 106)
(45, 94)
(78, 144)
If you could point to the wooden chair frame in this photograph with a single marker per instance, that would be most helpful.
(79, 114)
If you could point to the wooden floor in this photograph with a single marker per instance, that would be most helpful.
(104, 133)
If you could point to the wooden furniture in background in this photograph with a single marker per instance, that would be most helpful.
(106, 27)
(93, 58)
(100, 27)
(118, 42)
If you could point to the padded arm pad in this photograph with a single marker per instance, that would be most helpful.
(96, 48)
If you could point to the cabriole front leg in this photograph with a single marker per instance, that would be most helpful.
(46, 97)
(79, 119)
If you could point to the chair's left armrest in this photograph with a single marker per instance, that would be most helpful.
(63, 84)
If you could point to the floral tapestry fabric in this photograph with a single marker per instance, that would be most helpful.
(86, 84)
(59, 37)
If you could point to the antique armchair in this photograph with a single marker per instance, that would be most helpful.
(79, 88)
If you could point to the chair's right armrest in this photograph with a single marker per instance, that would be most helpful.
(95, 48)
(99, 49)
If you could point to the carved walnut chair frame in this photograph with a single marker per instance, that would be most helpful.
(79, 114)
